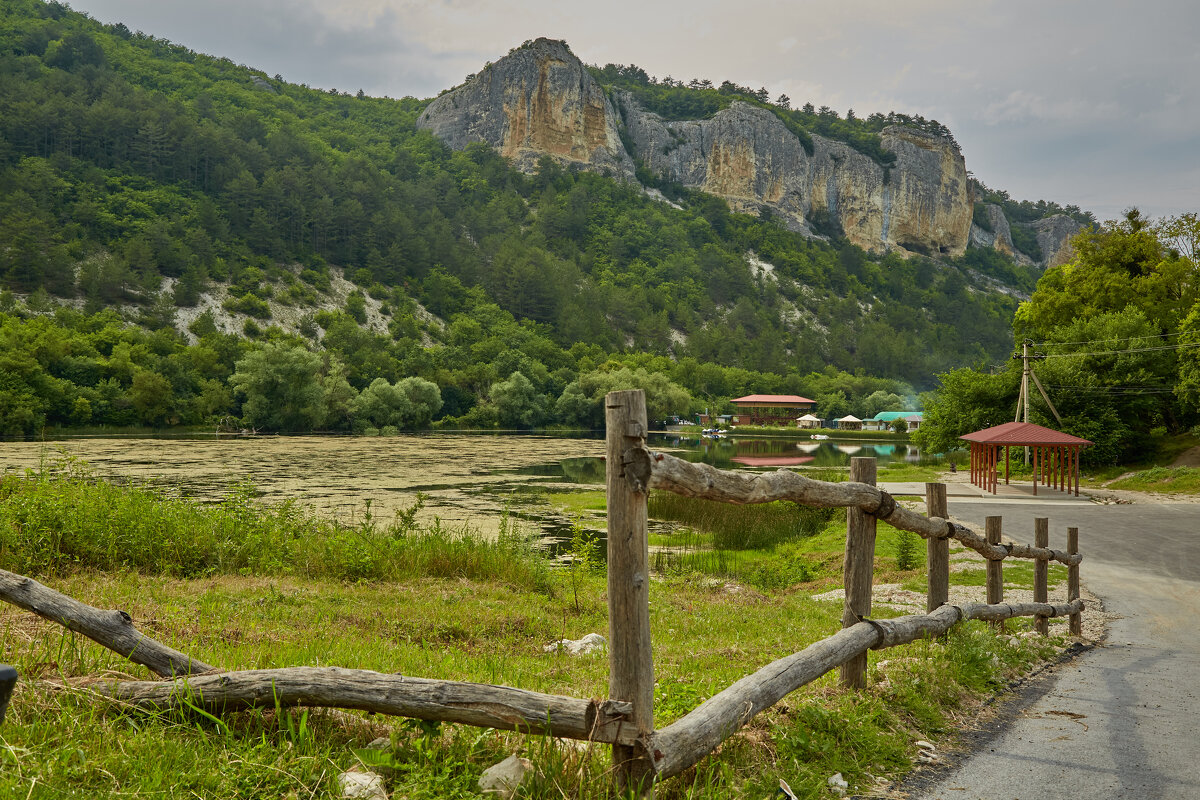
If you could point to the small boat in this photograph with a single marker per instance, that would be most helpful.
(818, 437)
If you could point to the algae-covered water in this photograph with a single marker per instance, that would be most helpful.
(467, 479)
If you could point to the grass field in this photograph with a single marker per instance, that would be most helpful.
(1171, 480)
(243, 586)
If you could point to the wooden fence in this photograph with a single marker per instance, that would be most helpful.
(641, 754)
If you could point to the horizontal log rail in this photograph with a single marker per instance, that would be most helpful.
(112, 629)
(662, 471)
(478, 704)
(687, 740)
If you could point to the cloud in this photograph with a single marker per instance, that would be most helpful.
(1022, 106)
(1039, 94)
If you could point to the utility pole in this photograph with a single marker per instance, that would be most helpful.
(1026, 373)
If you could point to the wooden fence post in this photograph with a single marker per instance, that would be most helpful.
(858, 571)
(1075, 620)
(630, 664)
(995, 569)
(1041, 570)
(937, 551)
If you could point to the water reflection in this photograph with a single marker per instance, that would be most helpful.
(740, 452)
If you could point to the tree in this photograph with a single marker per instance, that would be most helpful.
(151, 396)
(517, 402)
(381, 404)
(663, 397)
(878, 401)
(966, 401)
(281, 388)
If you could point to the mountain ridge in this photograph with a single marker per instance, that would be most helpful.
(910, 193)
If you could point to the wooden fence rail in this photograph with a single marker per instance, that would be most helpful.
(641, 755)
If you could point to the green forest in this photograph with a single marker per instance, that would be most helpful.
(1118, 333)
(188, 241)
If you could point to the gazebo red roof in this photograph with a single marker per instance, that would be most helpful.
(1023, 433)
(772, 398)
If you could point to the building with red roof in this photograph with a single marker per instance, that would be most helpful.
(771, 409)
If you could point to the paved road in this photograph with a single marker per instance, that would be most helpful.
(1122, 720)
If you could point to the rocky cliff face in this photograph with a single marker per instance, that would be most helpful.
(748, 156)
(1054, 237)
(999, 237)
(539, 100)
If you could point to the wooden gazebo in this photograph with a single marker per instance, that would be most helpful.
(1055, 455)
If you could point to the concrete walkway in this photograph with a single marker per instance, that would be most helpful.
(1121, 720)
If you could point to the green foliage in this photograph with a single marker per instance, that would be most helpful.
(584, 556)
(157, 163)
(65, 519)
(408, 403)
(1116, 327)
(908, 555)
(279, 387)
(1018, 211)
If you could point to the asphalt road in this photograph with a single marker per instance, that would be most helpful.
(1121, 720)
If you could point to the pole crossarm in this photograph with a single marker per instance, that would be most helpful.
(702, 480)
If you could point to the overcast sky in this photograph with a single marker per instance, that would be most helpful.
(1094, 103)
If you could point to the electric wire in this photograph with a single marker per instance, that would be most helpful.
(1099, 341)
(1160, 348)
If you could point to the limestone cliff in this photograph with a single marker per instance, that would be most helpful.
(999, 238)
(1054, 237)
(539, 100)
(748, 156)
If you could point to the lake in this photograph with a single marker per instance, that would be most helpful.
(467, 478)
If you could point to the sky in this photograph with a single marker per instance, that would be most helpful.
(1094, 103)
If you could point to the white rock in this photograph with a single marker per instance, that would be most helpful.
(927, 757)
(592, 643)
(365, 785)
(503, 779)
(382, 743)
(838, 785)
(924, 745)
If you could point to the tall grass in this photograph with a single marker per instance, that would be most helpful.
(54, 521)
(734, 527)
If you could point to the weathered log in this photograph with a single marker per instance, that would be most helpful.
(994, 569)
(1041, 569)
(742, 488)
(687, 740)
(858, 571)
(476, 704)
(112, 629)
(1075, 625)
(937, 550)
(631, 667)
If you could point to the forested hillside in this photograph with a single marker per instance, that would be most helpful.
(141, 182)
(1118, 330)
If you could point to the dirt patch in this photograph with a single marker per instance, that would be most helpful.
(1188, 458)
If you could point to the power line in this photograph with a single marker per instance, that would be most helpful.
(1120, 352)
(1098, 341)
